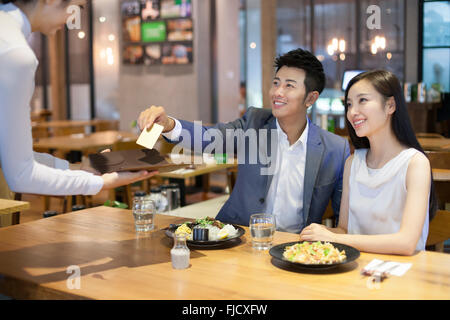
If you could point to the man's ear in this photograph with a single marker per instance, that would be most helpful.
(311, 98)
(390, 105)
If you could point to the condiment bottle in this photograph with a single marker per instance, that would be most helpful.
(180, 252)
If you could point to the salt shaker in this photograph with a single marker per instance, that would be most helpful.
(180, 252)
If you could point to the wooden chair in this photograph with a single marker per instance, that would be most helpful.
(429, 135)
(39, 132)
(231, 178)
(328, 216)
(40, 115)
(441, 160)
(439, 230)
(105, 125)
(163, 146)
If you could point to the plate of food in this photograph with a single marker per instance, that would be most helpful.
(314, 254)
(206, 232)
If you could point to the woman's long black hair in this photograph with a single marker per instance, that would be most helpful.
(387, 84)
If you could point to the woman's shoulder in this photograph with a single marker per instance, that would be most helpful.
(419, 161)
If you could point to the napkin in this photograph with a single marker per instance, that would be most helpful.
(398, 269)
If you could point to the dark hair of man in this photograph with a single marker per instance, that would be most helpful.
(387, 84)
(302, 59)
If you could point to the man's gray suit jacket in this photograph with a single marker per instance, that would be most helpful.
(325, 158)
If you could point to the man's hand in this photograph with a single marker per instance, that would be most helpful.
(117, 179)
(155, 115)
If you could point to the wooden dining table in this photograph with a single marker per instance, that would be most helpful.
(71, 124)
(201, 170)
(96, 254)
(83, 142)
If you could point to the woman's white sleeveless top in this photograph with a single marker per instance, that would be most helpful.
(377, 197)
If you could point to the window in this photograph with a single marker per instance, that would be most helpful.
(336, 32)
(436, 44)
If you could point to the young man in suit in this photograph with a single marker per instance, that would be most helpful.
(300, 166)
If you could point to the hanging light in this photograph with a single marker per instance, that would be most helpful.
(330, 49)
(374, 48)
(342, 45)
(335, 44)
(379, 42)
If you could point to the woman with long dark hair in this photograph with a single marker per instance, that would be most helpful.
(388, 197)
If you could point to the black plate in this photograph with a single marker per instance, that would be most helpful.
(351, 253)
(240, 232)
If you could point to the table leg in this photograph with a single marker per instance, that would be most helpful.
(16, 218)
(205, 186)
(182, 186)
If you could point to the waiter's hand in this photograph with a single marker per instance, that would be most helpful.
(118, 179)
(155, 115)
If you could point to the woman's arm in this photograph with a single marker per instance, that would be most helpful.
(404, 242)
(51, 161)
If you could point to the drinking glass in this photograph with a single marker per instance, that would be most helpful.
(262, 228)
(143, 212)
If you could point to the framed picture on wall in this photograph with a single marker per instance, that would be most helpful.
(150, 10)
(132, 29)
(179, 30)
(154, 31)
(133, 55)
(176, 8)
(152, 54)
(130, 8)
(177, 53)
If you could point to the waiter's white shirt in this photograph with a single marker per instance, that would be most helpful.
(285, 196)
(26, 171)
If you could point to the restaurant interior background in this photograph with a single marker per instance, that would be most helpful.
(210, 59)
(232, 44)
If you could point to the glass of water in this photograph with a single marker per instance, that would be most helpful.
(262, 228)
(143, 212)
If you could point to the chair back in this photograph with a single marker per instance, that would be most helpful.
(439, 229)
(105, 125)
(163, 146)
(439, 159)
(126, 144)
(5, 192)
(429, 135)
